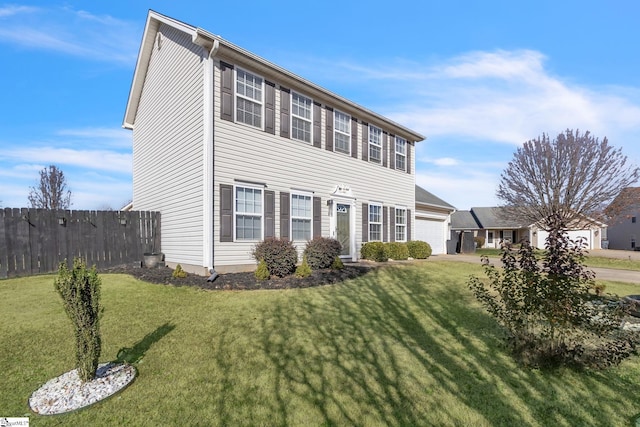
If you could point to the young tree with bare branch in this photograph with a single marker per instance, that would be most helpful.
(52, 191)
(554, 183)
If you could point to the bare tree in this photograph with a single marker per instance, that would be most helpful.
(555, 183)
(52, 191)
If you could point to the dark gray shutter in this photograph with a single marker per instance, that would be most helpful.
(385, 222)
(270, 108)
(329, 129)
(285, 206)
(365, 222)
(285, 115)
(226, 213)
(408, 158)
(384, 149)
(365, 142)
(317, 127)
(269, 213)
(317, 217)
(408, 225)
(354, 138)
(226, 92)
(392, 151)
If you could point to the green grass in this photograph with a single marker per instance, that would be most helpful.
(591, 261)
(401, 346)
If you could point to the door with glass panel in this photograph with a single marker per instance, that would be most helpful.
(343, 228)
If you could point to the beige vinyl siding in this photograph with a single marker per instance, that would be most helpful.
(245, 153)
(168, 145)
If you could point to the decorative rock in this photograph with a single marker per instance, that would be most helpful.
(67, 393)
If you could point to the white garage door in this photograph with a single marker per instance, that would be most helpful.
(573, 235)
(432, 232)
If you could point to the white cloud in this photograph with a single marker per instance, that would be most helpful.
(105, 137)
(76, 33)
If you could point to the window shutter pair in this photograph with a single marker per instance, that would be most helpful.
(285, 216)
(226, 213)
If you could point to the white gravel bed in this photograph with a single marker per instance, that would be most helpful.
(67, 393)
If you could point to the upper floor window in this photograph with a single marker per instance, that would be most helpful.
(248, 213)
(375, 144)
(301, 215)
(342, 132)
(301, 108)
(375, 222)
(401, 225)
(401, 153)
(249, 98)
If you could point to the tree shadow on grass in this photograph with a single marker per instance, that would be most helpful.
(369, 351)
(136, 353)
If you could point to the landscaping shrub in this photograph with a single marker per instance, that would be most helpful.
(549, 312)
(337, 264)
(479, 241)
(397, 250)
(419, 249)
(179, 273)
(321, 251)
(374, 251)
(80, 292)
(262, 272)
(280, 256)
(303, 270)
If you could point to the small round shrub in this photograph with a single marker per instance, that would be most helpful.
(419, 249)
(303, 270)
(179, 273)
(479, 241)
(321, 251)
(337, 264)
(397, 250)
(280, 256)
(374, 251)
(262, 272)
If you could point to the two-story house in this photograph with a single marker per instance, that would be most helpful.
(232, 149)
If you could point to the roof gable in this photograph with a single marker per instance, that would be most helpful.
(426, 198)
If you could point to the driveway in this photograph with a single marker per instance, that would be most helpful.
(610, 274)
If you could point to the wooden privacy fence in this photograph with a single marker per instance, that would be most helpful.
(34, 241)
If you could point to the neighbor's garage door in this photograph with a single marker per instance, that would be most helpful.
(432, 232)
(573, 235)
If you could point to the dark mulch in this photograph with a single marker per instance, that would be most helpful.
(242, 281)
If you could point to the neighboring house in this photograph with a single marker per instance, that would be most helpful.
(495, 227)
(433, 219)
(624, 225)
(232, 149)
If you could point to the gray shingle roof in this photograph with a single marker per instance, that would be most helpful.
(463, 220)
(427, 198)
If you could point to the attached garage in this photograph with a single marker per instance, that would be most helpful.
(432, 220)
(586, 234)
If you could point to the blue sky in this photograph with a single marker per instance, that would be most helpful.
(477, 78)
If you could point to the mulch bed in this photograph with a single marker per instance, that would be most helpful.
(241, 281)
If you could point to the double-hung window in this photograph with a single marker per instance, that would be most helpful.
(401, 225)
(375, 222)
(248, 213)
(375, 144)
(301, 108)
(249, 98)
(301, 215)
(342, 132)
(401, 153)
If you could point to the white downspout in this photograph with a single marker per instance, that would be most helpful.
(208, 87)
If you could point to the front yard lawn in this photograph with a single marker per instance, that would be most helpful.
(404, 345)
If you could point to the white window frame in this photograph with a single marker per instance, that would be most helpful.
(400, 229)
(294, 117)
(237, 212)
(378, 223)
(294, 216)
(258, 102)
(401, 155)
(375, 143)
(338, 131)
